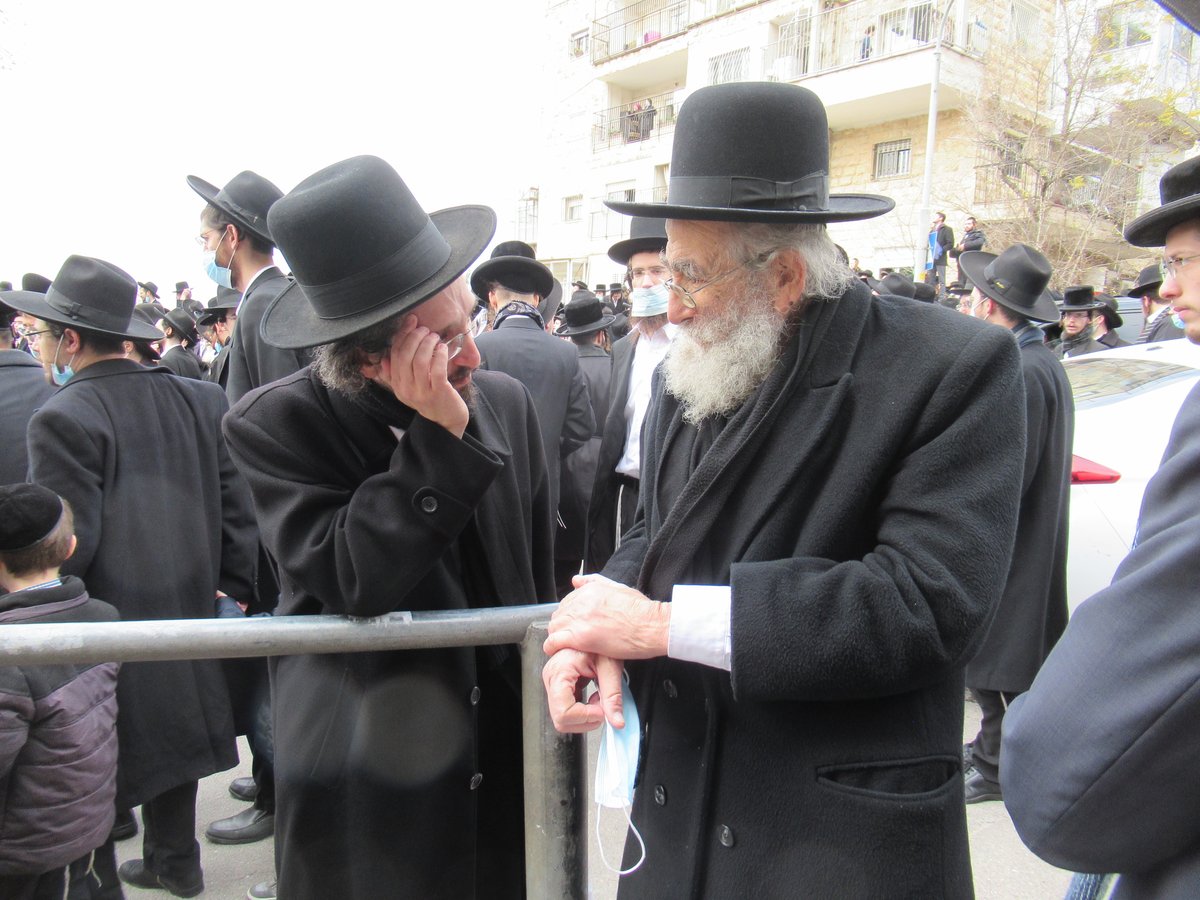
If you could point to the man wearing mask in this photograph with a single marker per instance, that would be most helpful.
(634, 359)
(221, 317)
(239, 254)
(1159, 320)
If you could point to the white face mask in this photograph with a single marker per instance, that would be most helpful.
(616, 770)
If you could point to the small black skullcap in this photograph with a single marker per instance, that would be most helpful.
(28, 513)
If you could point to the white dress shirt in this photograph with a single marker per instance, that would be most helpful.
(648, 352)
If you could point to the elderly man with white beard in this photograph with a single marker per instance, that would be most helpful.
(793, 602)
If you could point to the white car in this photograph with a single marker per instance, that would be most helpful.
(1125, 404)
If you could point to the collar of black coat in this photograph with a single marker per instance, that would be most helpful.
(17, 358)
(121, 366)
(29, 603)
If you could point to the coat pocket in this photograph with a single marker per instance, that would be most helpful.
(895, 779)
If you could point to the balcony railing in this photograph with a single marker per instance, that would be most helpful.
(634, 122)
(846, 35)
(635, 26)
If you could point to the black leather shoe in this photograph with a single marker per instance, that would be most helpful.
(134, 872)
(125, 826)
(246, 827)
(245, 789)
(976, 788)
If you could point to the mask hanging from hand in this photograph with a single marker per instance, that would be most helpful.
(616, 770)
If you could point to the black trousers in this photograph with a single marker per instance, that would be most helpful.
(91, 877)
(985, 749)
(169, 845)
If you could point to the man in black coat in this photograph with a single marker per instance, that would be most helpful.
(240, 255)
(513, 283)
(813, 461)
(221, 317)
(1010, 291)
(1099, 754)
(1157, 323)
(584, 323)
(390, 475)
(1078, 308)
(634, 359)
(23, 389)
(172, 488)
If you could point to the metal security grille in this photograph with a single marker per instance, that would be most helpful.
(893, 158)
(732, 66)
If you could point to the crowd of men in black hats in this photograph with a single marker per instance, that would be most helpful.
(747, 475)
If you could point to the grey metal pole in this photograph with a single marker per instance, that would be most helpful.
(229, 638)
(555, 793)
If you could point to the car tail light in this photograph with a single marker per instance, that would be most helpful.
(1084, 471)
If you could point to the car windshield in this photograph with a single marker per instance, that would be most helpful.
(1097, 380)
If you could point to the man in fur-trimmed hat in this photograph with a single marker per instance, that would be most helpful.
(792, 596)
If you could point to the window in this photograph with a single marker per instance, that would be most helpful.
(578, 45)
(1117, 27)
(893, 158)
(573, 208)
(733, 66)
(625, 191)
(1023, 22)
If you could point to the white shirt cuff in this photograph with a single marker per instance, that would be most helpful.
(699, 630)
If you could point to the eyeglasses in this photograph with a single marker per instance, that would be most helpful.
(1172, 265)
(658, 273)
(202, 237)
(688, 298)
(454, 344)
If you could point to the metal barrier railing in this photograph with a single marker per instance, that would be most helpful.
(555, 797)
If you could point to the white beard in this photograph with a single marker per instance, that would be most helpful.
(715, 363)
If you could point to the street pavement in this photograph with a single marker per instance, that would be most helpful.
(1004, 869)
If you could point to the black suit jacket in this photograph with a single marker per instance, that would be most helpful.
(23, 388)
(164, 521)
(1163, 329)
(602, 511)
(834, 504)
(1099, 756)
(218, 369)
(579, 468)
(252, 361)
(182, 362)
(549, 368)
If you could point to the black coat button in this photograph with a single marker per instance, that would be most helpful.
(429, 504)
(660, 795)
(726, 836)
(476, 780)
(671, 690)
(474, 696)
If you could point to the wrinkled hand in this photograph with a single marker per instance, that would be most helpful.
(609, 619)
(566, 675)
(415, 369)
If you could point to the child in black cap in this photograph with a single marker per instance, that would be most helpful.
(58, 736)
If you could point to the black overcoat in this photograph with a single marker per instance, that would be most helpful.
(549, 368)
(252, 361)
(845, 503)
(398, 774)
(164, 520)
(602, 513)
(218, 369)
(1033, 608)
(23, 388)
(579, 468)
(182, 362)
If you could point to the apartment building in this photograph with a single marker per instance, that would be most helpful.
(615, 76)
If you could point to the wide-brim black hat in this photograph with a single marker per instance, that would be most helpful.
(647, 234)
(1179, 192)
(150, 288)
(182, 324)
(226, 299)
(514, 265)
(1150, 278)
(32, 281)
(754, 152)
(361, 250)
(551, 302)
(1108, 307)
(895, 283)
(583, 316)
(1079, 298)
(181, 286)
(87, 294)
(247, 198)
(1017, 279)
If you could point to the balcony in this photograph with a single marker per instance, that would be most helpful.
(634, 122)
(638, 25)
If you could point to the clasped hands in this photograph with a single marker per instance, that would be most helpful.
(595, 628)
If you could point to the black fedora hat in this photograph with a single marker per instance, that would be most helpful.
(182, 324)
(514, 265)
(226, 299)
(647, 234)
(88, 294)
(247, 197)
(1079, 298)
(151, 311)
(1108, 307)
(924, 292)
(583, 316)
(32, 281)
(551, 302)
(181, 286)
(362, 250)
(895, 283)
(780, 174)
(1017, 279)
(1179, 191)
(1149, 279)
(150, 287)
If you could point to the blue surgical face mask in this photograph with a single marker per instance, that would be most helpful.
(616, 770)
(222, 275)
(1177, 320)
(61, 375)
(651, 301)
